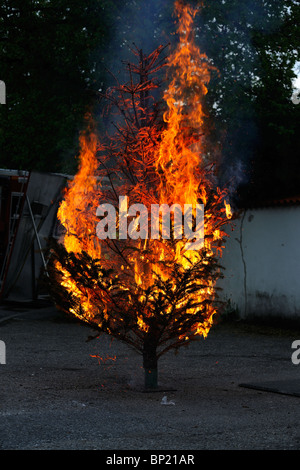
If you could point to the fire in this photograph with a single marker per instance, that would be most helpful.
(180, 154)
(228, 210)
(179, 158)
(174, 164)
(181, 148)
(104, 360)
(77, 211)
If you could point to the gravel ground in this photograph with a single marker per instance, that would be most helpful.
(60, 392)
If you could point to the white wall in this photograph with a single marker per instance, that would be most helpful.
(262, 263)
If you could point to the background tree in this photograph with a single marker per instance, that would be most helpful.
(50, 60)
(276, 165)
(255, 46)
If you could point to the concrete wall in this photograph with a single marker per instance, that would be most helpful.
(262, 263)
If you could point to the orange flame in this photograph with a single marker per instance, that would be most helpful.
(181, 153)
(77, 211)
(228, 210)
(181, 147)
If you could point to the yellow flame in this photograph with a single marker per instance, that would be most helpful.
(228, 210)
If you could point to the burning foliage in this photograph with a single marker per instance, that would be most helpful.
(152, 293)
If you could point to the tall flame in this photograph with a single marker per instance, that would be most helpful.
(180, 149)
(181, 153)
(77, 211)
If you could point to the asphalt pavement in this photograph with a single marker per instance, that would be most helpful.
(59, 391)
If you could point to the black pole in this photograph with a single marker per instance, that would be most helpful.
(33, 283)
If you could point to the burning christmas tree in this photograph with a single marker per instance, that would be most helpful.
(120, 267)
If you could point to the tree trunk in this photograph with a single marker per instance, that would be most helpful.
(150, 361)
